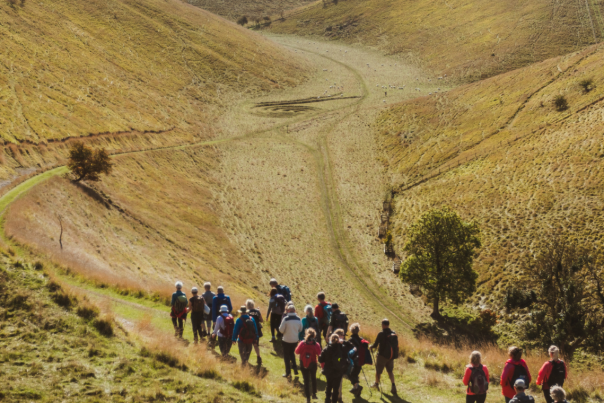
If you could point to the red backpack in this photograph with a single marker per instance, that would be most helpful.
(229, 325)
(247, 335)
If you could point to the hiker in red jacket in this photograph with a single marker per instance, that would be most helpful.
(552, 373)
(476, 378)
(322, 315)
(309, 350)
(515, 368)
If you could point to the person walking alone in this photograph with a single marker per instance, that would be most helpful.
(276, 308)
(291, 326)
(255, 313)
(553, 372)
(245, 334)
(197, 307)
(309, 350)
(387, 345)
(179, 309)
(515, 368)
(223, 330)
(476, 378)
(208, 296)
(335, 362)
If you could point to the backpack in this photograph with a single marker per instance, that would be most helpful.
(281, 302)
(221, 301)
(341, 321)
(519, 373)
(392, 340)
(558, 374)
(247, 334)
(198, 304)
(308, 357)
(229, 326)
(341, 362)
(479, 384)
(180, 305)
(254, 313)
(313, 324)
(353, 359)
(284, 290)
(327, 313)
(364, 354)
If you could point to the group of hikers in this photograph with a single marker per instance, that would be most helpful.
(340, 357)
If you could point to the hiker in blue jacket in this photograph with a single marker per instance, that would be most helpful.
(219, 300)
(245, 334)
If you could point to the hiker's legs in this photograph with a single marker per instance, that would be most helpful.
(312, 370)
(547, 396)
(256, 345)
(306, 379)
(174, 322)
(275, 323)
(196, 321)
(333, 389)
(244, 351)
(507, 399)
(476, 398)
(224, 345)
(181, 326)
(354, 375)
(391, 376)
(289, 356)
(380, 364)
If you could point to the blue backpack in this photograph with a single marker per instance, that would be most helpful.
(353, 358)
(285, 291)
(327, 313)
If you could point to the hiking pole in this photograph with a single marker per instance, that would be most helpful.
(367, 382)
(380, 385)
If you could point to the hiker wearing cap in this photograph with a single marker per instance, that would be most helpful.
(308, 350)
(255, 313)
(290, 327)
(558, 394)
(178, 313)
(218, 301)
(553, 372)
(323, 312)
(208, 296)
(223, 330)
(386, 343)
(520, 396)
(245, 334)
(310, 322)
(197, 307)
(476, 378)
(339, 320)
(276, 309)
(515, 368)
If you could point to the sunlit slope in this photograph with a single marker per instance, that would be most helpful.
(252, 9)
(74, 68)
(507, 158)
(463, 39)
(151, 222)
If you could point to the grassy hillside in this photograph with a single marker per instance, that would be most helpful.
(466, 40)
(51, 349)
(499, 152)
(119, 68)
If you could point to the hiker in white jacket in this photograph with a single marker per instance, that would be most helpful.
(291, 326)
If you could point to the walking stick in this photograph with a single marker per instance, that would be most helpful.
(367, 382)
(372, 357)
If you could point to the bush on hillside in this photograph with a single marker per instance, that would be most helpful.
(104, 326)
(560, 103)
(516, 298)
(88, 164)
(587, 85)
(242, 20)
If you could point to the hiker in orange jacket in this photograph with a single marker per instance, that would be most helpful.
(553, 372)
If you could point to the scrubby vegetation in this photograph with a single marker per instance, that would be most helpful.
(88, 164)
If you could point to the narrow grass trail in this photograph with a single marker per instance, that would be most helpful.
(324, 127)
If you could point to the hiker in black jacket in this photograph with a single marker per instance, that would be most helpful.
(356, 341)
(385, 358)
(332, 356)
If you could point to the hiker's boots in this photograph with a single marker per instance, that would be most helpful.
(259, 361)
(176, 331)
(393, 390)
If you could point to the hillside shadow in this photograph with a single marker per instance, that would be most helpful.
(277, 348)
(393, 399)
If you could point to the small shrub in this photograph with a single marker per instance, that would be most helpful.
(38, 265)
(19, 301)
(587, 85)
(560, 103)
(18, 265)
(267, 19)
(61, 298)
(411, 360)
(11, 251)
(87, 312)
(103, 326)
(246, 387)
(208, 374)
(167, 358)
(242, 20)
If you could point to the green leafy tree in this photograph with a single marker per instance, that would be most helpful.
(88, 164)
(441, 249)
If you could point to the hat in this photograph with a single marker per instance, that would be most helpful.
(520, 384)
(335, 306)
(194, 290)
(243, 309)
(224, 309)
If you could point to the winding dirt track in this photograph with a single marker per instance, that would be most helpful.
(342, 246)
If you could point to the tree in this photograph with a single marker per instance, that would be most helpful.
(441, 249)
(88, 164)
(242, 20)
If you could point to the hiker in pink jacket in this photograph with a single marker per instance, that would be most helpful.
(308, 350)
(515, 368)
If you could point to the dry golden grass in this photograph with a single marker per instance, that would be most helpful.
(465, 40)
(252, 9)
(510, 161)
